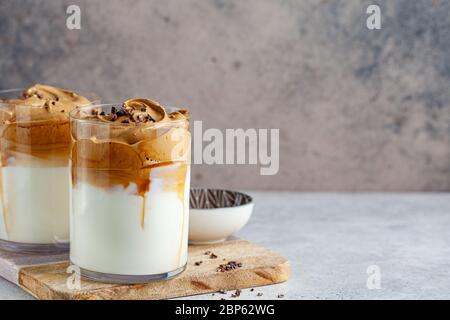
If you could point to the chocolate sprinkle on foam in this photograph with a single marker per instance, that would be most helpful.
(229, 266)
(135, 111)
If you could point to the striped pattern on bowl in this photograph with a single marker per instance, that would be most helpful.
(203, 198)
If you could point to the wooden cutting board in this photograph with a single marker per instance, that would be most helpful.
(48, 278)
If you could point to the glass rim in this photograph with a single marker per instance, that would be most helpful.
(92, 97)
(74, 116)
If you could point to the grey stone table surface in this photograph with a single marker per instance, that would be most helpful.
(331, 239)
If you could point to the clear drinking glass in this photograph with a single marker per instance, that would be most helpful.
(130, 198)
(34, 176)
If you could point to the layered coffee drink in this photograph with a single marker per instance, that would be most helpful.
(130, 191)
(34, 168)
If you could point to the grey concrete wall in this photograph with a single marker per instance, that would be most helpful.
(357, 109)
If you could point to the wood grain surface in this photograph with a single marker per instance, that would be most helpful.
(260, 266)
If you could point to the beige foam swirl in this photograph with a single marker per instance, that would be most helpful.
(118, 153)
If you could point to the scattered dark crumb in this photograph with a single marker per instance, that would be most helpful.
(207, 253)
(212, 256)
(222, 298)
(252, 289)
(102, 113)
(53, 102)
(224, 259)
(280, 296)
(198, 263)
(213, 294)
(229, 266)
(62, 110)
(259, 294)
(236, 294)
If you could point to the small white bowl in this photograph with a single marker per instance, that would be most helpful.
(216, 214)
